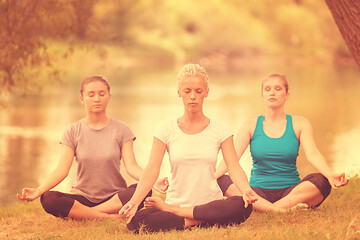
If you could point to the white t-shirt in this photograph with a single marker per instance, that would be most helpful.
(193, 161)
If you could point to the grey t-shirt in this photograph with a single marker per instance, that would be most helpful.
(98, 155)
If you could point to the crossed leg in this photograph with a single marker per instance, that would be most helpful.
(185, 212)
(306, 192)
(261, 205)
(303, 196)
(114, 204)
(72, 206)
(111, 206)
(80, 211)
(78, 207)
(160, 216)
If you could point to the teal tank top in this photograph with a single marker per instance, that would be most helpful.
(274, 159)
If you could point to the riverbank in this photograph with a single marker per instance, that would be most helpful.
(337, 218)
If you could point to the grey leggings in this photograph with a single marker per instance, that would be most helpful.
(219, 212)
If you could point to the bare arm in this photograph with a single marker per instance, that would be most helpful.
(128, 156)
(242, 141)
(135, 171)
(236, 173)
(315, 157)
(58, 174)
(147, 179)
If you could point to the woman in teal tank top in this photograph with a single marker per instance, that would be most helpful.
(274, 159)
(274, 140)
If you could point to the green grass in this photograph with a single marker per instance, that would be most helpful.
(337, 218)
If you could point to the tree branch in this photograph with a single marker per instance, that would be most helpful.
(346, 14)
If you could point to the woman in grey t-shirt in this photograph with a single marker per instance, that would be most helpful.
(98, 143)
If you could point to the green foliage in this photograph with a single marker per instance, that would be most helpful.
(163, 32)
(22, 25)
(25, 25)
(180, 31)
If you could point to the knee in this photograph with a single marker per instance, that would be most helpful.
(223, 212)
(127, 194)
(224, 183)
(154, 220)
(239, 211)
(48, 200)
(54, 204)
(134, 224)
(321, 182)
(140, 220)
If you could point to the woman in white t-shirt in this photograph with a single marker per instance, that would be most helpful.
(98, 143)
(193, 142)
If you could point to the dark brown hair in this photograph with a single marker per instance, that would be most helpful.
(93, 79)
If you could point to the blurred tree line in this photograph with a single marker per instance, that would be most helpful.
(26, 30)
(216, 33)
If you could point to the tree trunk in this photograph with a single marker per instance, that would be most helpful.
(346, 14)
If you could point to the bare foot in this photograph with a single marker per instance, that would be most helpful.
(158, 203)
(300, 206)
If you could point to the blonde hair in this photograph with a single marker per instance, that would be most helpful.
(192, 70)
(280, 76)
(93, 79)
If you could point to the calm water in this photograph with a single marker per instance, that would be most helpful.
(31, 128)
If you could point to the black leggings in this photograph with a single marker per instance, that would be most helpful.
(273, 195)
(59, 204)
(219, 212)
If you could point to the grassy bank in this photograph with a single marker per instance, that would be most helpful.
(337, 218)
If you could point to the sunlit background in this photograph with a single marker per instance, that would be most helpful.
(139, 46)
